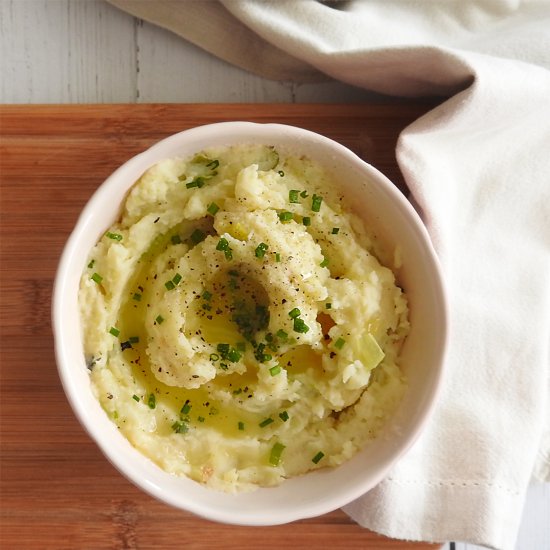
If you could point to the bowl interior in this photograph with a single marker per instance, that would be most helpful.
(387, 212)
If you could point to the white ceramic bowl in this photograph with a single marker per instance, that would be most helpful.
(318, 492)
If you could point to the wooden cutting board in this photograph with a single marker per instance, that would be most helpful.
(57, 489)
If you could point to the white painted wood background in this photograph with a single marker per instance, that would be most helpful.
(86, 51)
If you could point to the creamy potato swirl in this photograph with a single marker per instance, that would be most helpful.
(237, 325)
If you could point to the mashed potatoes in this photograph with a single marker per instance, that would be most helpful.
(238, 328)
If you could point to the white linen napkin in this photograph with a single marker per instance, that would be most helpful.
(478, 168)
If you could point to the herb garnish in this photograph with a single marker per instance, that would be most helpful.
(316, 201)
(339, 343)
(113, 236)
(294, 196)
(276, 452)
(180, 427)
(223, 245)
(261, 250)
(197, 236)
(266, 422)
(285, 217)
(212, 208)
(318, 457)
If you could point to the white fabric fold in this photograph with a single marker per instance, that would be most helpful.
(478, 168)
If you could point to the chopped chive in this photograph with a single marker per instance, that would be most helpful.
(135, 397)
(274, 371)
(304, 194)
(227, 352)
(136, 297)
(324, 263)
(285, 216)
(197, 182)
(260, 250)
(318, 457)
(206, 307)
(306, 220)
(180, 427)
(176, 239)
(328, 305)
(284, 416)
(152, 402)
(186, 407)
(276, 452)
(316, 201)
(223, 349)
(207, 295)
(224, 366)
(294, 196)
(266, 422)
(198, 236)
(223, 244)
(300, 326)
(277, 257)
(96, 278)
(241, 426)
(113, 236)
(233, 355)
(169, 285)
(281, 173)
(133, 339)
(214, 357)
(200, 418)
(293, 313)
(281, 334)
(177, 279)
(159, 319)
(259, 353)
(91, 264)
(114, 331)
(212, 208)
(339, 343)
(238, 391)
(335, 230)
(214, 164)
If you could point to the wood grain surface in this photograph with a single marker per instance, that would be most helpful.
(57, 489)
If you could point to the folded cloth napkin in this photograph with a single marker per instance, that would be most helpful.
(478, 168)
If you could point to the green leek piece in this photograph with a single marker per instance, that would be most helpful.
(369, 352)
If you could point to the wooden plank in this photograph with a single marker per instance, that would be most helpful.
(66, 51)
(58, 491)
(195, 75)
(74, 51)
